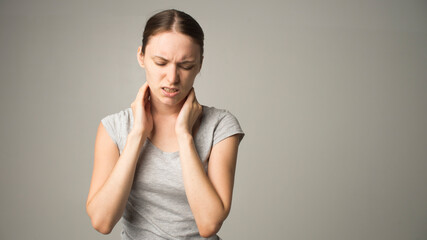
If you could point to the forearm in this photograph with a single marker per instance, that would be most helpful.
(107, 205)
(206, 205)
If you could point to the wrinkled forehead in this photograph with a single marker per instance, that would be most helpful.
(173, 46)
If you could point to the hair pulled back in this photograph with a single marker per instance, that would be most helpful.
(173, 20)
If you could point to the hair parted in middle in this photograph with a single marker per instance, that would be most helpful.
(173, 20)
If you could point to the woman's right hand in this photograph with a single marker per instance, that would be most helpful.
(141, 110)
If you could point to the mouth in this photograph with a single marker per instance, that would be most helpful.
(170, 90)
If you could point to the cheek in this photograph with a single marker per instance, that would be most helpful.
(152, 75)
(191, 80)
(185, 93)
(190, 77)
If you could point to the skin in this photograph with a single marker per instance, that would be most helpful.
(171, 60)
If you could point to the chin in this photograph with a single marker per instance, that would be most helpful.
(171, 101)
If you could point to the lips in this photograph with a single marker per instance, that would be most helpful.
(170, 92)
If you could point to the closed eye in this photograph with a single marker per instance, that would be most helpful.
(187, 67)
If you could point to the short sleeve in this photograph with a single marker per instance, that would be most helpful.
(228, 125)
(110, 125)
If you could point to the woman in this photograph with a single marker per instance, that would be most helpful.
(165, 166)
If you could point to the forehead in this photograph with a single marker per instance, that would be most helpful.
(173, 45)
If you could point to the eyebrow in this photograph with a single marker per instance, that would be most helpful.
(183, 62)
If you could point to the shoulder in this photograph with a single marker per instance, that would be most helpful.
(215, 114)
(118, 125)
(223, 123)
(124, 114)
(122, 117)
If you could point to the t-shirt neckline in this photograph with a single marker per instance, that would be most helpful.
(172, 154)
(161, 151)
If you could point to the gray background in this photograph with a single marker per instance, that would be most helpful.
(331, 94)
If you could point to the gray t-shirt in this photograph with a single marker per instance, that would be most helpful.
(157, 206)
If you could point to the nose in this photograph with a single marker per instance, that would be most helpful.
(172, 74)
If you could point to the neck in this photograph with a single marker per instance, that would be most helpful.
(161, 110)
(164, 116)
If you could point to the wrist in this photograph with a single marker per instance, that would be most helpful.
(184, 137)
(138, 130)
(138, 135)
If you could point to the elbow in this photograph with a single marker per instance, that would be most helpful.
(102, 227)
(99, 223)
(209, 229)
(104, 231)
(209, 226)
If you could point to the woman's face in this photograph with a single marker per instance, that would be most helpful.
(171, 62)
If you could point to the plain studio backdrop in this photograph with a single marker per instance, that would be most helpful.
(332, 96)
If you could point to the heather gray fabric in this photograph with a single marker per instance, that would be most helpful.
(157, 207)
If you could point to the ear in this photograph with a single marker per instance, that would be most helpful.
(140, 57)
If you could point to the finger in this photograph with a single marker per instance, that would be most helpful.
(146, 91)
(143, 86)
(149, 108)
(191, 95)
(194, 93)
(139, 96)
(194, 98)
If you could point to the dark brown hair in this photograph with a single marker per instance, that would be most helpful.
(173, 20)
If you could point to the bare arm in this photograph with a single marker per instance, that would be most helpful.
(113, 175)
(111, 179)
(209, 195)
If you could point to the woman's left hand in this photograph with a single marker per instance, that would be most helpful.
(188, 115)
